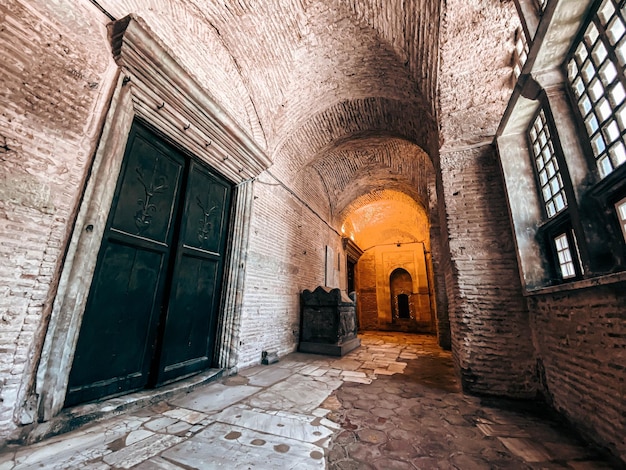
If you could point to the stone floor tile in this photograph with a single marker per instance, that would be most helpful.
(359, 380)
(159, 423)
(296, 393)
(293, 413)
(350, 373)
(189, 416)
(140, 451)
(502, 430)
(221, 396)
(136, 436)
(226, 446)
(269, 375)
(526, 449)
(158, 463)
(296, 427)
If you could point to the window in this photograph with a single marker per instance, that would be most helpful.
(620, 208)
(564, 255)
(542, 4)
(520, 54)
(546, 166)
(596, 76)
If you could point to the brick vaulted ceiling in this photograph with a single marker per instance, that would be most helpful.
(359, 94)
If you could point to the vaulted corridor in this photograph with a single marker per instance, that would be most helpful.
(394, 403)
(176, 175)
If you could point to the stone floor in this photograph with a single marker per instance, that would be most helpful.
(394, 403)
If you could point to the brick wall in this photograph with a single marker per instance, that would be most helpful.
(286, 255)
(491, 338)
(366, 294)
(49, 121)
(581, 345)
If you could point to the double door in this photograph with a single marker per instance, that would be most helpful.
(152, 310)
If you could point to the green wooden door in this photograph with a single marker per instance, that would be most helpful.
(152, 308)
(187, 344)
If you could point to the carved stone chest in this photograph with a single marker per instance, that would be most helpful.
(328, 322)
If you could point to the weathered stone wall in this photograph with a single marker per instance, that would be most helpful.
(491, 339)
(56, 76)
(581, 346)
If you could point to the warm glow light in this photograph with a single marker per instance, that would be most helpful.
(394, 219)
(343, 229)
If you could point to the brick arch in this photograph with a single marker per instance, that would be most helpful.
(201, 52)
(373, 121)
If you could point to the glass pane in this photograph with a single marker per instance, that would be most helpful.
(615, 31)
(550, 209)
(588, 71)
(572, 69)
(604, 166)
(604, 110)
(617, 94)
(579, 87)
(597, 143)
(611, 132)
(599, 53)
(618, 152)
(543, 178)
(620, 51)
(559, 202)
(592, 124)
(606, 11)
(608, 72)
(581, 52)
(596, 90)
(546, 193)
(585, 105)
(591, 34)
(554, 186)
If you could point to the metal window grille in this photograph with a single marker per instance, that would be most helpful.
(564, 255)
(596, 76)
(547, 167)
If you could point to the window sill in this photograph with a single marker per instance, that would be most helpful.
(578, 285)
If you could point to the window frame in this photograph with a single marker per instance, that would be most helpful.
(581, 128)
(558, 156)
(565, 220)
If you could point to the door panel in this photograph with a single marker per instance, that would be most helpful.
(189, 332)
(117, 334)
(151, 314)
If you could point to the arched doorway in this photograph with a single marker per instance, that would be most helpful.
(401, 288)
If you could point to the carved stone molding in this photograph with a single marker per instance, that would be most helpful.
(164, 93)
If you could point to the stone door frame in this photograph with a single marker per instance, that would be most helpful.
(151, 87)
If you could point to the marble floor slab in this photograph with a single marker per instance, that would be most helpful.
(393, 403)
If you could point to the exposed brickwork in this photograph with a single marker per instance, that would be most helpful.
(476, 74)
(48, 129)
(348, 98)
(437, 256)
(286, 255)
(491, 338)
(581, 342)
(366, 295)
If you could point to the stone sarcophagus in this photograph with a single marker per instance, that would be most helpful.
(328, 322)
